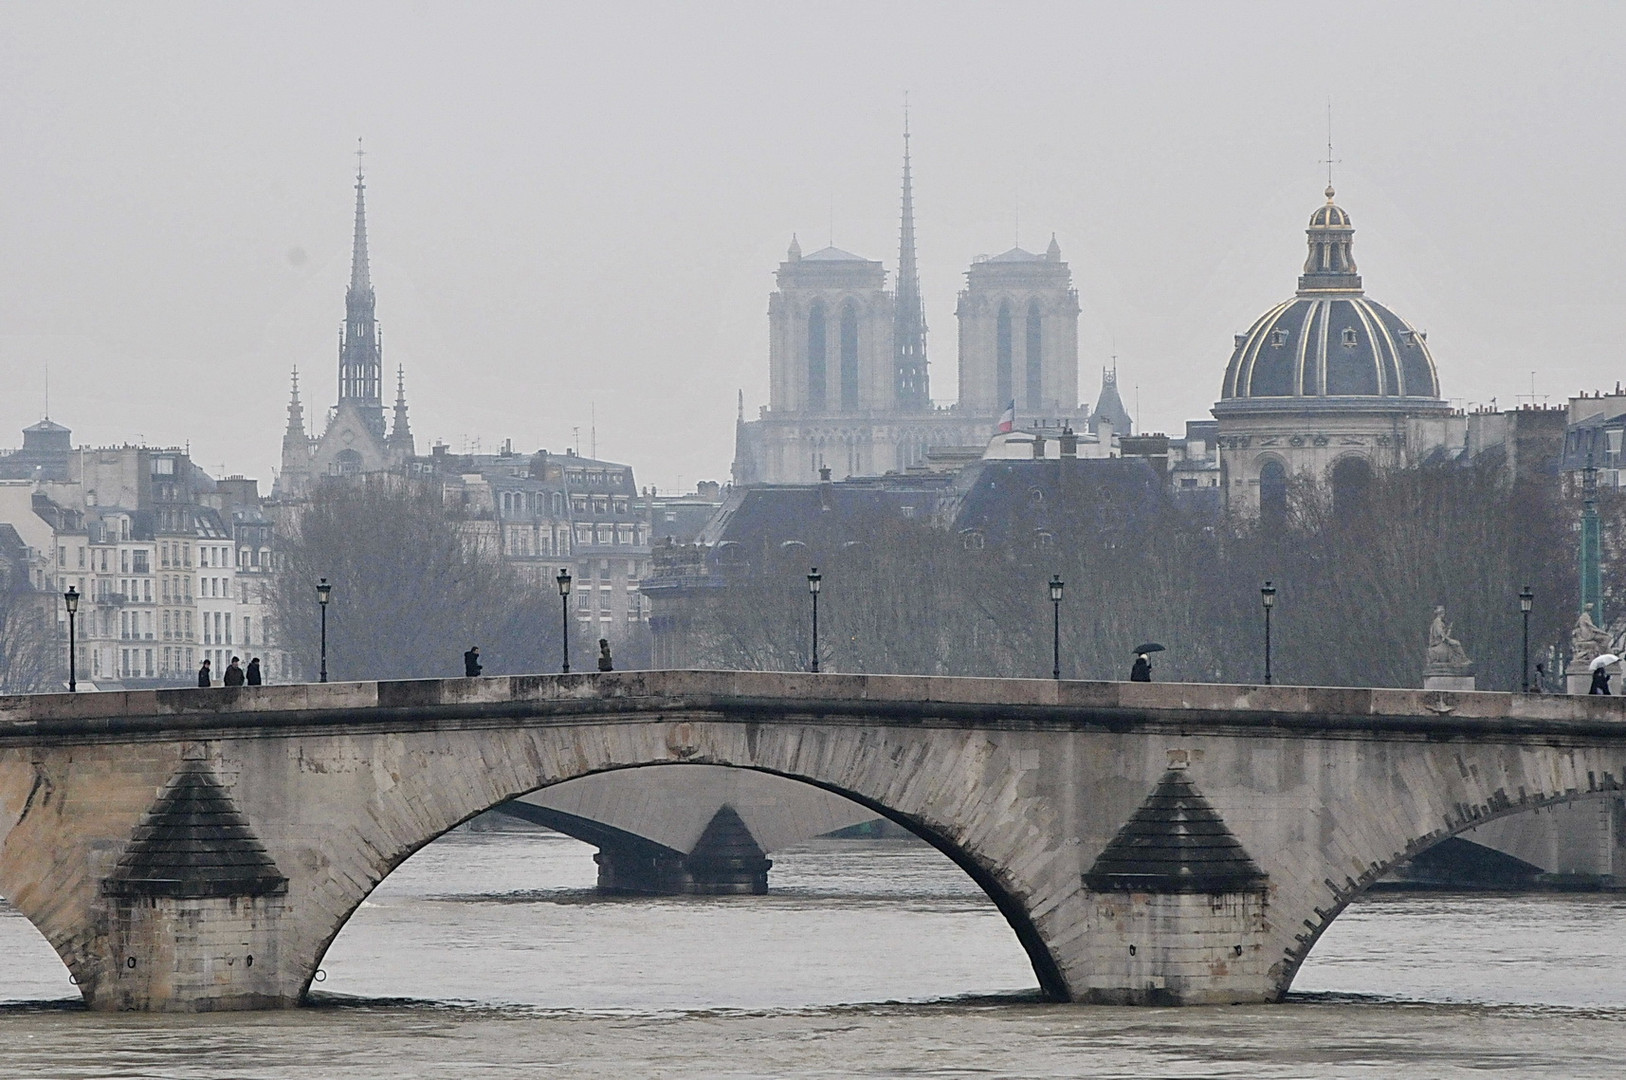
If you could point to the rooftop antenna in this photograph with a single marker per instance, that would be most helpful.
(1018, 215)
(576, 437)
(360, 153)
(832, 215)
(47, 389)
(592, 431)
(1330, 160)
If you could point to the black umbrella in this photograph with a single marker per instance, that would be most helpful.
(1150, 646)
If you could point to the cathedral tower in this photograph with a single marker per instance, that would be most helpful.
(830, 350)
(1019, 334)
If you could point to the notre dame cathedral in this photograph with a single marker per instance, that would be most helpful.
(848, 376)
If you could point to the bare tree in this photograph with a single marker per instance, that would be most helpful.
(1356, 584)
(415, 583)
(32, 658)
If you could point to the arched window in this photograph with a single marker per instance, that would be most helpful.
(1351, 487)
(1273, 493)
(348, 462)
(815, 359)
(1035, 344)
(849, 356)
(1002, 357)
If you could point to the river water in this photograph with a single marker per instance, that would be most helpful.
(487, 956)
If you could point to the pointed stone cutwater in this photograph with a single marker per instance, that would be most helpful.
(727, 860)
(195, 905)
(1176, 913)
(194, 843)
(1175, 843)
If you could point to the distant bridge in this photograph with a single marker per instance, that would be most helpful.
(1159, 843)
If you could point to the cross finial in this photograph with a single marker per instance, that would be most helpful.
(1330, 161)
(360, 153)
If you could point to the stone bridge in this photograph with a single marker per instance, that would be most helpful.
(1157, 843)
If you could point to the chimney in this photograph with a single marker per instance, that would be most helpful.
(1038, 447)
(1069, 442)
(826, 489)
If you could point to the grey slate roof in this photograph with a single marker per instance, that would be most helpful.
(1175, 843)
(194, 843)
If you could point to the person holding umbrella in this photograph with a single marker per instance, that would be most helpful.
(1600, 673)
(1142, 671)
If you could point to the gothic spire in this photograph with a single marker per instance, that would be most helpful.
(909, 336)
(361, 279)
(360, 357)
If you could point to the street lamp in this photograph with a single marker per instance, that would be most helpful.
(814, 581)
(564, 614)
(71, 599)
(1055, 603)
(1267, 596)
(323, 592)
(1527, 600)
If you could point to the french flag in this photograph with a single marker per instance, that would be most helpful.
(1007, 419)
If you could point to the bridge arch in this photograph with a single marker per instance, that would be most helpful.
(994, 883)
(1472, 816)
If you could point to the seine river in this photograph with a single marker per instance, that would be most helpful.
(487, 956)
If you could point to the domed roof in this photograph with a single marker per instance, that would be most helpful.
(1329, 344)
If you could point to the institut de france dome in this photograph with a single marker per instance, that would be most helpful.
(1324, 385)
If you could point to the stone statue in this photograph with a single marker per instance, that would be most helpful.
(1588, 640)
(1445, 653)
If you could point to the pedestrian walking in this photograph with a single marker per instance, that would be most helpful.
(471, 663)
(203, 674)
(604, 661)
(253, 672)
(1142, 671)
(1540, 684)
(1600, 681)
(233, 675)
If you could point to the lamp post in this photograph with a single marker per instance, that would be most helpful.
(814, 581)
(323, 592)
(1267, 596)
(71, 599)
(1527, 600)
(1055, 637)
(564, 615)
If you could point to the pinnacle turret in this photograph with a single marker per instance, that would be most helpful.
(401, 443)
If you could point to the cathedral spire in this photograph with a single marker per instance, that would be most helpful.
(360, 357)
(909, 336)
(361, 280)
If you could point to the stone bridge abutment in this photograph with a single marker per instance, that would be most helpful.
(189, 850)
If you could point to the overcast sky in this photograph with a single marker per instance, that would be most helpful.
(579, 208)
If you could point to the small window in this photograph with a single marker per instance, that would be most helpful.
(1351, 339)
(1278, 338)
